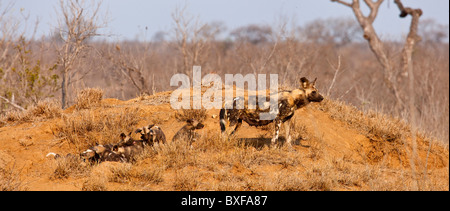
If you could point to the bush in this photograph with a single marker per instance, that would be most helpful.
(197, 114)
(47, 109)
(89, 97)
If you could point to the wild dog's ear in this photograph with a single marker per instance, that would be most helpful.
(190, 121)
(196, 124)
(148, 128)
(139, 130)
(199, 126)
(129, 134)
(122, 136)
(304, 82)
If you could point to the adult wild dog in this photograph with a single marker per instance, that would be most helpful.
(288, 102)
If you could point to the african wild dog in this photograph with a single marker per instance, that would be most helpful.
(151, 134)
(187, 133)
(58, 156)
(95, 154)
(128, 147)
(288, 102)
(100, 153)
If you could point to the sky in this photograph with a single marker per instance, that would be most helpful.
(141, 19)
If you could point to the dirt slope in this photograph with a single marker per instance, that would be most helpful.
(328, 154)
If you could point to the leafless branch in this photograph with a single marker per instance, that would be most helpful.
(343, 2)
(412, 37)
(12, 103)
(336, 71)
(78, 23)
(375, 44)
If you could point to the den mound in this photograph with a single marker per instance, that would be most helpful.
(335, 147)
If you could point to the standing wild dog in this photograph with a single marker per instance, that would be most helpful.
(186, 133)
(288, 102)
(151, 134)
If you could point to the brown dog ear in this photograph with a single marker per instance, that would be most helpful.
(199, 126)
(190, 121)
(148, 128)
(139, 130)
(304, 82)
(122, 136)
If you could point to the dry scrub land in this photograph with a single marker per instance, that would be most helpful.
(336, 147)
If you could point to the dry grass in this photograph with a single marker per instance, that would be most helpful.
(47, 109)
(185, 114)
(87, 127)
(386, 158)
(373, 124)
(88, 98)
(216, 162)
(10, 180)
(70, 166)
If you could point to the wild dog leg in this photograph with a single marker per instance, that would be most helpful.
(277, 123)
(238, 125)
(287, 127)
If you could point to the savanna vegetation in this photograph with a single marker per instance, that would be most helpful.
(396, 118)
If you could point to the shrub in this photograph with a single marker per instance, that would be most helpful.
(46, 109)
(89, 97)
(197, 114)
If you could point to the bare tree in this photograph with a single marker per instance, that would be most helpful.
(412, 38)
(338, 31)
(193, 37)
(433, 32)
(132, 66)
(376, 45)
(24, 78)
(407, 65)
(252, 33)
(79, 22)
(9, 31)
(366, 23)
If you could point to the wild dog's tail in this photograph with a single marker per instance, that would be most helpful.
(223, 121)
(50, 154)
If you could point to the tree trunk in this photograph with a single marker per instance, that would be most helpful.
(412, 38)
(63, 89)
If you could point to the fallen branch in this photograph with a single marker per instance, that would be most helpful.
(12, 103)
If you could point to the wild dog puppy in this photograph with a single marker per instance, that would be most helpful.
(151, 134)
(95, 154)
(127, 140)
(288, 102)
(186, 133)
(100, 153)
(157, 135)
(128, 147)
(145, 133)
(57, 156)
